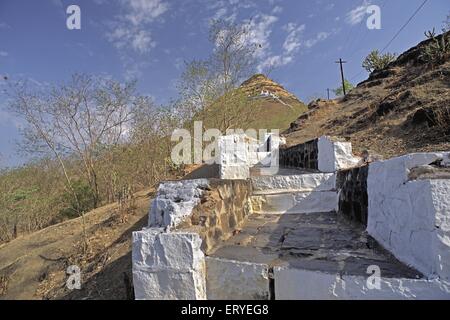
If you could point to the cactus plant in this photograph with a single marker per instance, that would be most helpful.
(438, 49)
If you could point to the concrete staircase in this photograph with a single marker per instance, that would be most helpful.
(296, 246)
(287, 193)
(341, 229)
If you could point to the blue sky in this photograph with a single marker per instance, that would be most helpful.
(150, 39)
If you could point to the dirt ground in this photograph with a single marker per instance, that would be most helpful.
(34, 266)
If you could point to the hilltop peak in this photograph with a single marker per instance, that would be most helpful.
(259, 83)
(255, 78)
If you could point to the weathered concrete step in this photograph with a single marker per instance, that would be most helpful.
(260, 171)
(294, 183)
(239, 280)
(236, 280)
(310, 256)
(295, 202)
(299, 284)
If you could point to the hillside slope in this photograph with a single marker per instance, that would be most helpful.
(260, 103)
(34, 266)
(395, 111)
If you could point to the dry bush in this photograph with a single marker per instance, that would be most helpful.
(3, 284)
(29, 199)
(442, 119)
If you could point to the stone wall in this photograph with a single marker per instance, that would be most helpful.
(234, 157)
(304, 156)
(187, 219)
(353, 202)
(224, 207)
(325, 154)
(239, 152)
(175, 201)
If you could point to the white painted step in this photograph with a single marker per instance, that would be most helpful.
(309, 256)
(295, 202)
(236, 280)
(298, 284)
(294, 183)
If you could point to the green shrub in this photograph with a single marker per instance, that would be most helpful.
(377, 61)
(339, 91)
(84, 202)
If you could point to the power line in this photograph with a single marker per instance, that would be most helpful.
(404, 26)
(356, 75)
(365, 34)
(397, 33)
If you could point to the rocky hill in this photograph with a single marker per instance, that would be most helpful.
(259, 82)
(275, 107)
(401, 109)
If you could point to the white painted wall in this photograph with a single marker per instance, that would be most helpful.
(440, 194)
(334, 156)
(234, 157)
(175, 201)
(296, 284)
(238, 153)
(411, 218)
(168, 266)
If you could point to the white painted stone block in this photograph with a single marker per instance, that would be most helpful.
(298, 202)
(297, 284)
(440, 193)
(259, 158)
(168, 265)
(326, 159)
(234, 280)
(234, 160)
(168, 285)
(175, 201)
(298, 183)
(334, 156)
(411, 218)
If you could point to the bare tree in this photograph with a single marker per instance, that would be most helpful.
(198, 88)
(233, 58)
(209, 88)
(75, 120)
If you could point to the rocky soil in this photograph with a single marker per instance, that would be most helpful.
(402, 109)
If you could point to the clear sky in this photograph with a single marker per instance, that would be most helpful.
(150, 39)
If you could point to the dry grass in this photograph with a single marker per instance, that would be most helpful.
(442, 116)
(3, 284)
(34, 266)
(359, 119)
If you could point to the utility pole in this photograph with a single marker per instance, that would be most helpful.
(342, 74)
(328, 93)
